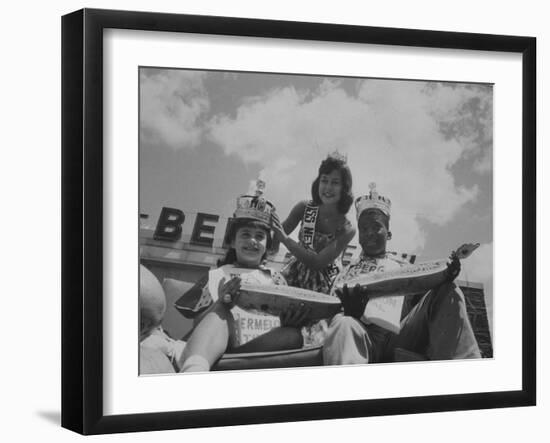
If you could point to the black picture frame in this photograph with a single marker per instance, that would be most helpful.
(82, 220)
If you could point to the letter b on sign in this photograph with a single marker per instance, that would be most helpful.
(169, 224)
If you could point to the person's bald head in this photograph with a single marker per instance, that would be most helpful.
(152, 301)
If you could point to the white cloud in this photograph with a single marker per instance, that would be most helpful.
(484, 163)
(465, 113)
(391, 132)
(172, 101)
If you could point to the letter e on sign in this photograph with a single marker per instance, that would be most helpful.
(201, 228)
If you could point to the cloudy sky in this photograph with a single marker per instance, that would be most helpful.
(205, 135)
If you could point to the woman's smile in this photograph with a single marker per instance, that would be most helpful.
(250, 248)
(330, 187)
(250, 245)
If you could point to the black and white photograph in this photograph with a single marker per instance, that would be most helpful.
(275, 221)
(291, 221)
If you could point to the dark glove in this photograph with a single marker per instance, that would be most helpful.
(353, 300)
(453, 267)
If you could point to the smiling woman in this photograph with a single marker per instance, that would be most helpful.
(325, 230)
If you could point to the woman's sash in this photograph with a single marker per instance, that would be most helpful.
(307, 234)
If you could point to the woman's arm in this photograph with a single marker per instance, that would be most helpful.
(312, 259)
(290, 224)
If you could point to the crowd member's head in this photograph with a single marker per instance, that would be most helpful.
(249, 235)
(333, 183)
(152, 302)
(373, 222)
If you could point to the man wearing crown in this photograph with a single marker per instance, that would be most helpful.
(436, 328)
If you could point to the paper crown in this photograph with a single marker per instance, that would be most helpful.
(372, 201)
(338, 156)
(254, 205)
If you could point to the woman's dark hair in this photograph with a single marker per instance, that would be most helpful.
(327, 166)
(235, 225)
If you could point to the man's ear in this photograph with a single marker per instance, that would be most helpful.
(389, 235)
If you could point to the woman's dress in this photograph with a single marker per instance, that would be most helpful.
(299, 275)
